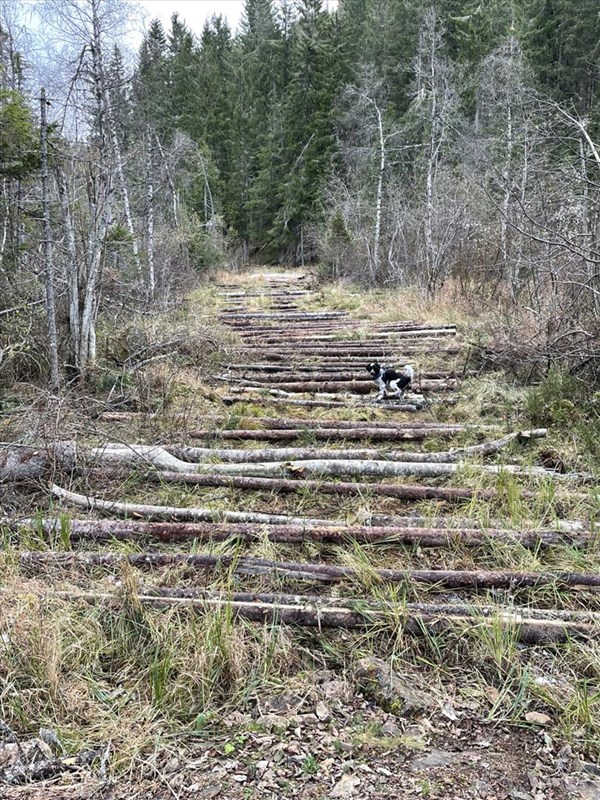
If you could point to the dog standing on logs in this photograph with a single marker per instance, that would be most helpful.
(389, 378)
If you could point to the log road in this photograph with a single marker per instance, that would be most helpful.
(295, 355)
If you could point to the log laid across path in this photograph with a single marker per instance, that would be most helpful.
(244, 565)
(332, 434)
(527, 627)
(352, 386)
(103, 530)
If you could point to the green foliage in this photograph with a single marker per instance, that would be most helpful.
(558, 400)
(19, 140)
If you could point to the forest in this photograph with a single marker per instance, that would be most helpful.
(391, 142)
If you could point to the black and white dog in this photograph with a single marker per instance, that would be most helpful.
(389, 378)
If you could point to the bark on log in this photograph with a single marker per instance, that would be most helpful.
(285, 423)
(322, 467)
(323, 434)
(352, 387)
(277, 371)
(527, 629)
(329, 377)
(143, 510)
(230, 400)
(244, 565)
(399, 491)
(19, 463)
(306, 315)
(341, 351)
(199, 454)
(102, 530)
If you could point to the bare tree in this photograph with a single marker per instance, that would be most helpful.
(48, 264)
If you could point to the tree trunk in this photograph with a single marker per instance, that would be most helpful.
(331, 434)
(72, 267)
(150, 215)
(48, 265)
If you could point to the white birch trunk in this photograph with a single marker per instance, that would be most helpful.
(150, 216)
(379, 202)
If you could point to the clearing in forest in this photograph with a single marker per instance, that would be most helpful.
(273, 584)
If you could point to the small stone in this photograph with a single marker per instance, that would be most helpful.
(390, 729)
(436, 758)
(346, 786)
(283, 703)
(209, 792)
(389, 690)
(322, 712)
(536, 718)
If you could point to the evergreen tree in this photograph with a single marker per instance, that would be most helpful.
(151, 83)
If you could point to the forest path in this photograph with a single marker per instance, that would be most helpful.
(431, 610)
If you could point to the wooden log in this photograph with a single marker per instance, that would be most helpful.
(399, 491)
(244, 565)
(323, 434)
(341, 467)
(297, 376)
(230, 400)
(353, 387)
(305, 315)
(102, 530)
(143, 510)
(198, 454)
(281, 370)
(528, 629)
(285, 423)
(343, 349)
(22, 463)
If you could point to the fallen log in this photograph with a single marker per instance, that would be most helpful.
(335, 467)
(528, 629)
(244, 565)
(143, 510)
(327, 434)
(341, 351)
(22, 463)
(285, 423)
(199, 454)
(229, 400)
(399, 491)
(328, 377)
(336, 387)
(306, 315)
(103, 530)
(279, 371)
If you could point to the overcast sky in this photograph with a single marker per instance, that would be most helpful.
(193, 12)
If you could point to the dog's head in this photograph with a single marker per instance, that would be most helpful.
(374, 368)
(408, 371)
